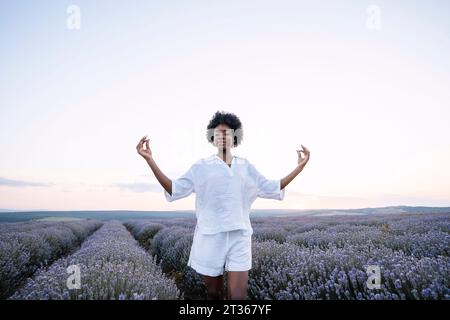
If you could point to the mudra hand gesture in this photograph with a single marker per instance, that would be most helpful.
(145, 153)
(303, 160)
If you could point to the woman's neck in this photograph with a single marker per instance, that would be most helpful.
(225, 155)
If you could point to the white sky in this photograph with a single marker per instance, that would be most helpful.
(371, 105)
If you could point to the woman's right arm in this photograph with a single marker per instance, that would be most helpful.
(165, 182)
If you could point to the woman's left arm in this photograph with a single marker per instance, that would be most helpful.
(302, 161)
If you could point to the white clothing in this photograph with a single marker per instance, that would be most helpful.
(212, 253)
(224, 194)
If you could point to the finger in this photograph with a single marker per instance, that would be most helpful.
(141, 141)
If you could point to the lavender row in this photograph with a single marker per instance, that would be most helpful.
(170, 244)
(418, 235)
(288, 271)
(143, 231)
(25, 247)
(112, 265)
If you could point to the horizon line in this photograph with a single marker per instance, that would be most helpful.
(193, 210)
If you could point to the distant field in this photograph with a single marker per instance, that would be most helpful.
(298, 257)
(124, 215)
(98, 215)
(59, 219)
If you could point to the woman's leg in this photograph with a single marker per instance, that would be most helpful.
(237, 284)
(214, 286)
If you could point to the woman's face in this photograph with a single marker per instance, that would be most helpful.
(223, 137)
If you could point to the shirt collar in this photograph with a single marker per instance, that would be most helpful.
(218, 158)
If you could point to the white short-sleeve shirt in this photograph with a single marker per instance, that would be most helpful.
(224, 194)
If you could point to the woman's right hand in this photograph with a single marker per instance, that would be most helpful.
(145, 153)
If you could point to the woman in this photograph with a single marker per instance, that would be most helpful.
(225, 188)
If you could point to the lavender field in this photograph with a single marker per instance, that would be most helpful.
(301, 257)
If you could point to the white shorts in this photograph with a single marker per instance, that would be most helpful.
(211, 253)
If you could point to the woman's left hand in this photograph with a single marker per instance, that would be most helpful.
(303, 160)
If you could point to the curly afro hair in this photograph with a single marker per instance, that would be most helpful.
(230, 120)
